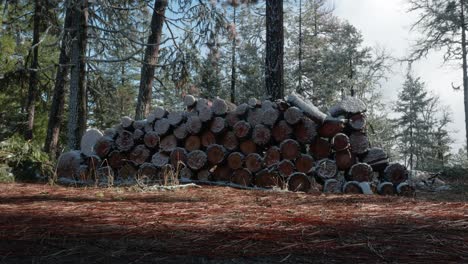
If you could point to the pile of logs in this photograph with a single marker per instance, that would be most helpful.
(287, 143)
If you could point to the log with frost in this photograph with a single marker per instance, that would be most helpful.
(192, 143)
(332, 186)
(293, 115)
(404, 189)
(178, 157)
(261, 135)
(124, 141)
(175, 118)
(148, 127)
(366, 187)
(196, 159)
(186, 173)
(168, 143)
(147, 172)
(180, 132)
(253, 162)
(304, 163)
(128, 172)
(320, 148)
(331, 127)
(230, 141)
(326, 169)
(255, 116)
(267, 179)
(308, 108)
(247, 147)
(344, 159)
(138, 135)
(377, 158)
(215, 154)
(340, 142)
(242, 129)
(162, 126)
(285, 168)
(89, 140)
(219, 107)
(357, 122)
(190, 101)
(194, 125)
(207, 138)
(281, 131)
(386, 188)
(242, 177)
(110, 133)
(151, 139)
(305, 131)
(160, 159)
(235, 160)
(139, 124)
(272, 156)
(290, 149)
(218, 125)
(222, 173)
(359, 142)
(103, 146)
(242, 109)
(396, 173)
(126, 122)
(352, 187)
(267, 104)
(68, 164)
(116, 159)
(139, 154)
(348, 106)
(361, 172)
(270, 116)
(202, 103)
(299, 182)
(205, 114)
(156, 114)
(254, 102)
(231, 119)
(204, 175)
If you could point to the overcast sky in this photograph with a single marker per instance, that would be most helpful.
(385, 23)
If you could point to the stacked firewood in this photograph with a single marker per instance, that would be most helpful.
(287, 143)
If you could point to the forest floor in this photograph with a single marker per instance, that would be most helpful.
(41, 223)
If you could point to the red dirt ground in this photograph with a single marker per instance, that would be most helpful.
(52, 224)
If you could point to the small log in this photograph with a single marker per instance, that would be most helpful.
(216, 154)
(357, 122)
(181, 132)
(229, 141)
(286, 168)
(205, 114)
(396, 173)
(110, 133)
(235, 160)
(196, 159)
(359, 143)
(159, 112)
(116, 159)
(308, 108)
(267, 104)
(242, 129)
(281, 131)
(340, 142)
(192, 143)
(160, 159)
(386, 188)
(175, 118)
(194, 125)
(375, 155)
(352, 187)
(103, 146)
(299, 182)
(202, 103)
(361, 172)
(139, 154)
(128, 171)
(404, 189)
(290, 149)
(272, 156)
(304, 163)
(124, 141)
(139, 124)
(126, 122)
(331, 127)
(366, 187)
(242, 109)
(190, 101)
(332, 186)
(218, 125)
(253, 162)
(207, 138)
(254, 117)
(349, 105)
(89, 140)
(293, 115)
(68, 164)
(261, 135)
(305, 131)
(320, 148)
(186, 173)
(247, 147)
(178, 157)
(151, 139)
(219, 107)
(270, 116)
(168, 143)
(267, 179)
(231, 119)
(161, 126)
(222, 173)
(147, 173)
(344, 159)
(253, 102)
(242, 177)
(149, 127)
(326, 169)
(204, 175)
(138, 134)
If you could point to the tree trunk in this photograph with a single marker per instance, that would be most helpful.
(77, 103)
(274, 49)
(233, 63)
(150, 60)
(464, 67)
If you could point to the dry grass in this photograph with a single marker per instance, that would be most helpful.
(53, 224)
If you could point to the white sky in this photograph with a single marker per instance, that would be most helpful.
(386, 24)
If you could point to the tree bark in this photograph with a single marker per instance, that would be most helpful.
(274, 49)
(233, 63)
(150, 60)
(464, 67)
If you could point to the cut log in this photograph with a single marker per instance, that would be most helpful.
(103, 146)
(175, 118)
(340, 142)
(247, 147)
(222, 173)
(290, 149)
(286, 168)
(320, 148)
(308, 108)
(202, 103)
(194, 125)
(89, 140)
(293, 115)
(281, 131)
(149, 127)
(204, 175)
(242, 109)
(267, 179)
(299, 182)
(68, 165)
(361, 172)
(261, 135)
(126, 122)
(124, 141)
(332, 186)
(231, 119)
(151, 139)
(138, 134)
(235, 160)
(242, 177)
(357, 122)
(352, 187)
(359, 143)
(180, 132)
(375, 155)
(192, 143)
(253, 162)
(267, 104)
(386, 188)
(128, 172)
(216, 154)
(110, 133)
(159, 112)
(116, 159)
(270, 116)
(160, 159)
(161, 126)
(396, 173)
(178, 157)
(230, 141)
(207, 138)
(404, 189)
(331, 127)
(348, 106)
(242, 129)
(219, 107)
(218, 125)
(326, 169)
(186, 173)
(254, 102)
(139, 154)
(196, 159)
(305, 131)
(190, 101)
(205, 114)
(305, 163)
(139, 124)
(147, 173)
(344, 159)
(168, 143)
(254, 117)
(272, 156)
